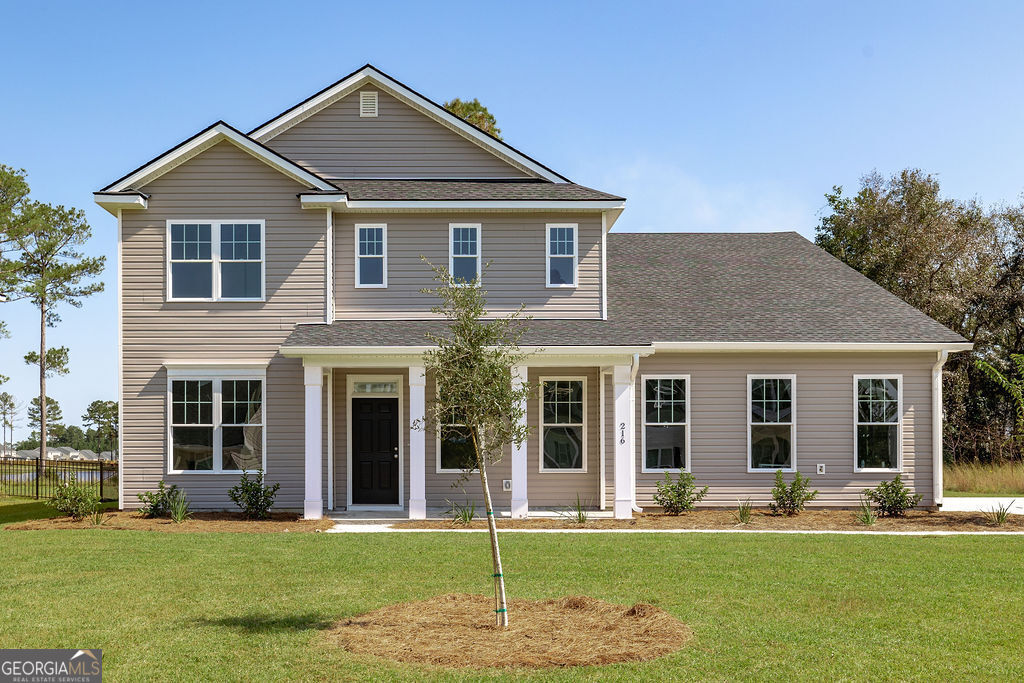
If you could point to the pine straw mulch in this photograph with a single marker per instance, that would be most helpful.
(718, 519)
(457, 630)
(201, 522)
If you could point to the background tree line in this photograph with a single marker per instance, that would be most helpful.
(100, 423)
(961, 263)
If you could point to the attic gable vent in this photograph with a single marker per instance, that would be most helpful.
(367, 103)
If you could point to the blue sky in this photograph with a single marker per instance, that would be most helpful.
(706, 116)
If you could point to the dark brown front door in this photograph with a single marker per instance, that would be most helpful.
(375, 451)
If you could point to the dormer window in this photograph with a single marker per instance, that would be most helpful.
(464, 251)
(368, 104)
(215, 260)
(561, 255)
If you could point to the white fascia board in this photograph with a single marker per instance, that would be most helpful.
(313, 351)
(341, 201)
(204, 141)
(115, 202)
(289, 118)
(810, 346)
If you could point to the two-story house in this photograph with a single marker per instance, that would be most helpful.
(271, 317)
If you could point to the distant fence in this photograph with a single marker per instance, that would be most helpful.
(39, 478)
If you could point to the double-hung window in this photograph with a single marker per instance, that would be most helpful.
(216, 423)
(215, 260)
(563, 425)
(464, 251)
(561, 254)
(879, 417)
(455, 452)
(771, 416)
(666, 434)
(371, 255)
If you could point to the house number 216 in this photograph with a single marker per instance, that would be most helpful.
(622, 432)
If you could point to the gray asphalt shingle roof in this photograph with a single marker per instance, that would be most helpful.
(692, 287)
(455, 190)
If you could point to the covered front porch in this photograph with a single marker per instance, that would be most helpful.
(367, 455)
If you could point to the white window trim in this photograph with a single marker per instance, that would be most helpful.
(643, 423)
(575, 255)
(384, 236)
(898, 423)
(451, 249)
(215, 259)
(351, 393)
(217, 377)
(791, 423)
(540, 421)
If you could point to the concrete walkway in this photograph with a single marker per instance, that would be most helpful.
(384, 527)
(982, 504)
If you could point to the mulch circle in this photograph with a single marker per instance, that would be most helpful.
(457, 630)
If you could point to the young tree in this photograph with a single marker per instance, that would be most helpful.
(54, 415)
(475, 113)
(48, 269)
(9, 409)
(102, 415)
(473, 368)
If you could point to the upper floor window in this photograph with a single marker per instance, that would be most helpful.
(464, 251)
(561, 255)
(879, 417)
(771, 417)
(371, 255)
(215, 260)
(666, 420)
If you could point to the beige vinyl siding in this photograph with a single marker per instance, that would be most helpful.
(824, 422)
(546, 489)
(514, 244)
(222, 182)
(400, 142)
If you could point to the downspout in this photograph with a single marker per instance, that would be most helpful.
(330, 439)
(634, 368)
(937, 428)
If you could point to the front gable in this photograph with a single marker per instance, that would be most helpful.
(399, 142)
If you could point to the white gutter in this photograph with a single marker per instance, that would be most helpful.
(341, 200)
(305, 351)
(634, 368)
(811, 346)
(937, 418)
(115, 202)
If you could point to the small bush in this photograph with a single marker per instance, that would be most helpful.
(865, 515)
(742, 512)
(790, 500)
(577, 514)
(73, 499)
(462, 514)
(157, 503)
(253, 497)
(892, 498)
(997, 515)
(676, 497)
(178, 506)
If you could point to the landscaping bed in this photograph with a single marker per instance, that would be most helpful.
(457, 630)
(717, 519)
(200, 522)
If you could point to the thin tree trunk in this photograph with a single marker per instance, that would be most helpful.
(501, 604)
(42, 379)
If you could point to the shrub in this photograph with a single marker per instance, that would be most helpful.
(742, 512)
(997, 515)
(865, 515)
(577, 514)
(253, 497)
(73, 499)
(789, 500)
(462, 514)
(678, 496)
(179, 509)
(892, 498)
(157, 503)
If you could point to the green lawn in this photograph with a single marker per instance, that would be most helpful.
(14, 509)
(252, 606)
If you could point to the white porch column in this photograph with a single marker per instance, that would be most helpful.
(313, 502)
(520, 506)
(624, 442)
(417, 443)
